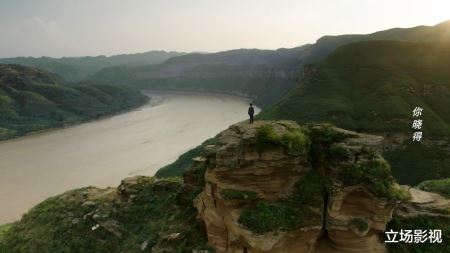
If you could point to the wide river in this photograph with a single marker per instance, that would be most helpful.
(101, 153)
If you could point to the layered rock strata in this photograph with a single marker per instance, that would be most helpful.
(248, 177)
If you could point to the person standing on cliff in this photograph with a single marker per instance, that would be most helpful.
(251, 112)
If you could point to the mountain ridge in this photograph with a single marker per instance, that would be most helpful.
(33, 100)
(76, 69)
(265, 75)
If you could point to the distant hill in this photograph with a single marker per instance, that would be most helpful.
(79, 68)
(327, 44)
(265, 75)
(33, 100)
(373, 87)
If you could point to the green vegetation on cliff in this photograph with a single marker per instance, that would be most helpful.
(3, 229)
(373, 87)
(265, 217)
(331, 149)
(33, 100)
(340, 160)
(142, 215)
(294, 140)
(289, 214)
(310, 190)
(376, 175)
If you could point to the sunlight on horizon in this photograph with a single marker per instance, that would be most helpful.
(77, 28)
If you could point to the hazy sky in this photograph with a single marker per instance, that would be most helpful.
(95, 27)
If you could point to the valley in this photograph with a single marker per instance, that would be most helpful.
(103, 152)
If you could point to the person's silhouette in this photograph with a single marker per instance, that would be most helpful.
(251, 112)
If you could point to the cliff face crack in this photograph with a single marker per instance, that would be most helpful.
(213, 194)
(324, 215)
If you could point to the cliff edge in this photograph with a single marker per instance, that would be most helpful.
(281, 187)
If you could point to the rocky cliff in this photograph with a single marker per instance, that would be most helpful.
(261, 188)
(280, 187)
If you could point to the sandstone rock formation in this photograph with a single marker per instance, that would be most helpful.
(280, 187)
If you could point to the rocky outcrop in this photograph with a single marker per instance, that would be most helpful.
(143, 214)
(423, 204)
(272, 171)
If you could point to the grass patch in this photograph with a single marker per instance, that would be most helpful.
(339, 153)
(289, 214)
(265, 217)
(440, 186)
(325, 148)
(294, 140)
(310, 190)
(376, 175)
(326, 134)
(266, 138)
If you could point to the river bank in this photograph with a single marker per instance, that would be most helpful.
(103, 152)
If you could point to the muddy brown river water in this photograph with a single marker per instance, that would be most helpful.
(101, 153)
